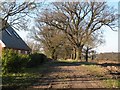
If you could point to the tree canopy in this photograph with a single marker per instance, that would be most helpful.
(79, 21)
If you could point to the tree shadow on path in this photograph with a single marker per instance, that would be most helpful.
(61, 73)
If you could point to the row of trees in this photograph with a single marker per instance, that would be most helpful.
(67, 29)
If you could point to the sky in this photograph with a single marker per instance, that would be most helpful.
(111, 37)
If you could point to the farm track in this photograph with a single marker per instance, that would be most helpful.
(70, 75)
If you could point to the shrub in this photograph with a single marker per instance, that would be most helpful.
(13, 62)
(36, 59)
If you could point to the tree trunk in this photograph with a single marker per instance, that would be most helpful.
(71, 56)
(74, 54)
(53, 54)
(65, 56)
(92, 57)
(78, 53)
(86, 56)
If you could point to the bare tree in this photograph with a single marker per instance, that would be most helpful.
(79, 20)
(34, 45)
(17, 14)
(94, 41)
(50, 38)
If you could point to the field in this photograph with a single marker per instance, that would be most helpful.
(66, 74)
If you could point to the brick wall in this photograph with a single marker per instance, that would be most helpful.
(0, 49)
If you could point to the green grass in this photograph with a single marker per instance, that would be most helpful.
(69, 61)
(95, 70)
(112, 83)
(25, 79)
(99, 71)
(31, 75)
(19, 79)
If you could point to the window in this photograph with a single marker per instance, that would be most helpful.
(26, 52)
(19, 51)
(8, 32)
(16, 34)
(22, 51)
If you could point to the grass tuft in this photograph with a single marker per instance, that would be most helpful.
(112, 83)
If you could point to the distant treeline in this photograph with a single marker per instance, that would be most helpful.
(108, 56)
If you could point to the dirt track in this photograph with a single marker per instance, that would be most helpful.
(72, 75)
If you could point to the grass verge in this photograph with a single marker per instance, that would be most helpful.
(23, 79)
(112, 83)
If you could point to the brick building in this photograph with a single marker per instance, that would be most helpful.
(11, 40)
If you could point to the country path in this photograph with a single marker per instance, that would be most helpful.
(72, 75)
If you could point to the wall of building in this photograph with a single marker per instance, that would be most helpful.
(0, 49)
(19, 50)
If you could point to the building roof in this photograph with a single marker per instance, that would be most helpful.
(12, 40)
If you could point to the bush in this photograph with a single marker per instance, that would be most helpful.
(13, 62)
(36, 59)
